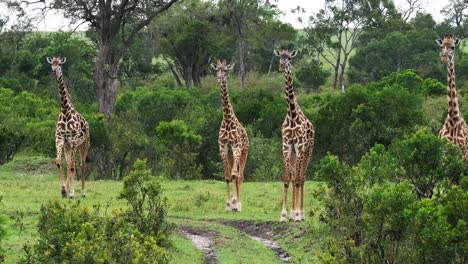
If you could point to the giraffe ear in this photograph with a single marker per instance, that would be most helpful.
(214, 66)
(439, 42)
(293, 53)
(49, 60)
(230, 66)
(457, 41)
(63, 60)
(276, 52)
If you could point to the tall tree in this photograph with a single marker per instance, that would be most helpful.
(334, 31)
(456, 13)
(115, 24)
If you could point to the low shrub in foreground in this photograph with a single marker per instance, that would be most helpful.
(72, 233)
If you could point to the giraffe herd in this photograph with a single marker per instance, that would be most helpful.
(72, 133)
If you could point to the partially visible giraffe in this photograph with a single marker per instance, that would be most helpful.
(71, 134)
(298, 142)
(233, 141)
(454, 128)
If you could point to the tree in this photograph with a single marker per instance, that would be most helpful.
(456, 13)
(243, 15)
(191, 39)
(115, 25)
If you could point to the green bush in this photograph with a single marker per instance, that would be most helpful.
(432, 87)
(72, 233)
(312, 76)
(428, 161)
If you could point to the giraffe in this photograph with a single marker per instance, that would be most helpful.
(454, 129)
(233, 142)
(71, 134)
(298, 142)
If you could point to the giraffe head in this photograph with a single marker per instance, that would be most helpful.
(56, 64)
(448, 45)
(285, 56)
(221, 68)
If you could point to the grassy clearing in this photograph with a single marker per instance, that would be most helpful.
(27, 183)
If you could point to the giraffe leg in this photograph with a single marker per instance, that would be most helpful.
(227, 177)
(243, 161)
(303, 174)
(297, 185)
(70, 156)
(235, 179)
(83, 154)
(293, 169)
(286, 181)
(58, 163)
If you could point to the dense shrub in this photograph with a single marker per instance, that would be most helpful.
(432, 87)
(378, 209)
(427, 161)
(312, 76)
(349, 124)
(72, 233)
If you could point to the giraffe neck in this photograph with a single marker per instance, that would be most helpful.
(228, 111)
(65, 99)
(452, 98)
(290, 96)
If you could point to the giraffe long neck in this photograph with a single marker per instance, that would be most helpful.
(228, 111)
(65, 99)
(290, 96)
(452, 98)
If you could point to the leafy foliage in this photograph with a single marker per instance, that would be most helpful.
(72, 233)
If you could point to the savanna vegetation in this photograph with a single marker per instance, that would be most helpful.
(368, 75)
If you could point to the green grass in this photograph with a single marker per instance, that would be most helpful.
(27, 183)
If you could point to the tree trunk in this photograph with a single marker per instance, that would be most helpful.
(196, 75)
(271, 64)
(188, 76)
(105, 76)
(342, 73)
(242, 57)
(338, 61)
(176, 76)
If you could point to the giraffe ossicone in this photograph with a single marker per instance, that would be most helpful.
(233, 142)
(298, 142)
(71, 134)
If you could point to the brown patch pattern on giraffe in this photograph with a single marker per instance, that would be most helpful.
(298, 143)
(454, 129)
(71, 134)
(233, 142)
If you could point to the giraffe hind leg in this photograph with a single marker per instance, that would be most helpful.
(227, 177)
(83, 154)
(58, 163)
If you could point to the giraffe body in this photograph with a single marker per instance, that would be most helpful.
(455, 128)
(233, 142)
(298, 142)
(71, 134)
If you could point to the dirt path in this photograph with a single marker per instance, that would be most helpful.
(262, 232)
(202, 240)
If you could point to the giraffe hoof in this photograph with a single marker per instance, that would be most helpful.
(234, 209)
(302, 219)
(283, 218)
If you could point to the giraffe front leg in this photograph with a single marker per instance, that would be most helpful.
(286, 181)
(70, 155)
(58, 163)
(227, 177)
(299, 191)
(235, 178)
